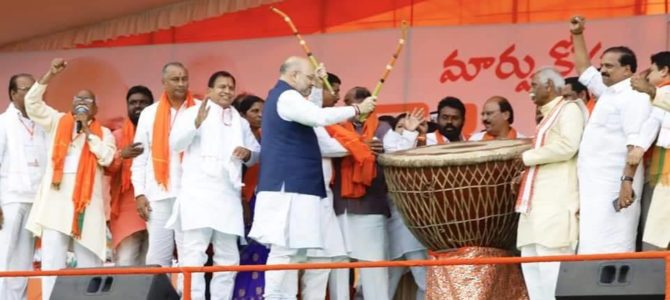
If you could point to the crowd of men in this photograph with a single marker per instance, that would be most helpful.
(183, 173)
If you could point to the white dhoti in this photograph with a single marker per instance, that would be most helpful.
(601, 228)
(17, 247)
(657, 227)
(367, 240)
(290, 224)
(541, 278)
(54, 254)
(403, 245)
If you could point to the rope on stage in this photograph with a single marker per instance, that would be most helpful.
(303, 43)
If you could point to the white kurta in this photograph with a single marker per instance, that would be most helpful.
(23, 157)
(142, 169)
(552, 218)
(333, 242)
(289, 219)
(210, 200)
(615, 123)
(431, 138)
(54, 209)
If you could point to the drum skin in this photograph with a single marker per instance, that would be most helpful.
(458, 194)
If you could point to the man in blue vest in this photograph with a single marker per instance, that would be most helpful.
(291, 183)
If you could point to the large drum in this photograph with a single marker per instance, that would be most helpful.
(459, 194)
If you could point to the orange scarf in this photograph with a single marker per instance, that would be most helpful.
(160, 145)
(358, 169)
(439, 138)
(83, 186)
(510, 135)
(591, 104)
(121, 180)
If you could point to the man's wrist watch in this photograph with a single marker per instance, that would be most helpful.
(626, 178)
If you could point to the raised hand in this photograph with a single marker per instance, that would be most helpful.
(57, 66)
(414, 119)
(577, 25)
(203, 111)
(132, 151)
(368, 105)
(321, 71)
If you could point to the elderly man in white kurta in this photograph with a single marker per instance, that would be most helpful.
(23, 158)
(215, 141)
(549, 198)
(608, 211)
(291, 185)
(69, 204)
(155, 173)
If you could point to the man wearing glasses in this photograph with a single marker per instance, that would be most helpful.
(23, 155)
(497, 117)
(609, 179)
(69, 203)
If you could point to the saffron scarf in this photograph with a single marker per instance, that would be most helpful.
(160, 141)
(121, 180)
(510, 135)
(358, 169)
(83, 187)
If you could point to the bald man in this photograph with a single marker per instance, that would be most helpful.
(291, 185)
(497, 117)
(69, 204)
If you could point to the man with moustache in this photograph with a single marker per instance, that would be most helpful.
(497, 117)
(23, 158)
(548, 207)
(215, 141)
(291, 184)
(609, 179)
(155, 173)
(129, 231)
(574, 90)
(68, 208)
(655, 82)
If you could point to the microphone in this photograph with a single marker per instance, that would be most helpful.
(79, 110)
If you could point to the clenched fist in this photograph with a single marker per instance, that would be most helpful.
(368, 105)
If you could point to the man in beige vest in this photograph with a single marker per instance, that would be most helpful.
(548, 197)
(69, 205)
